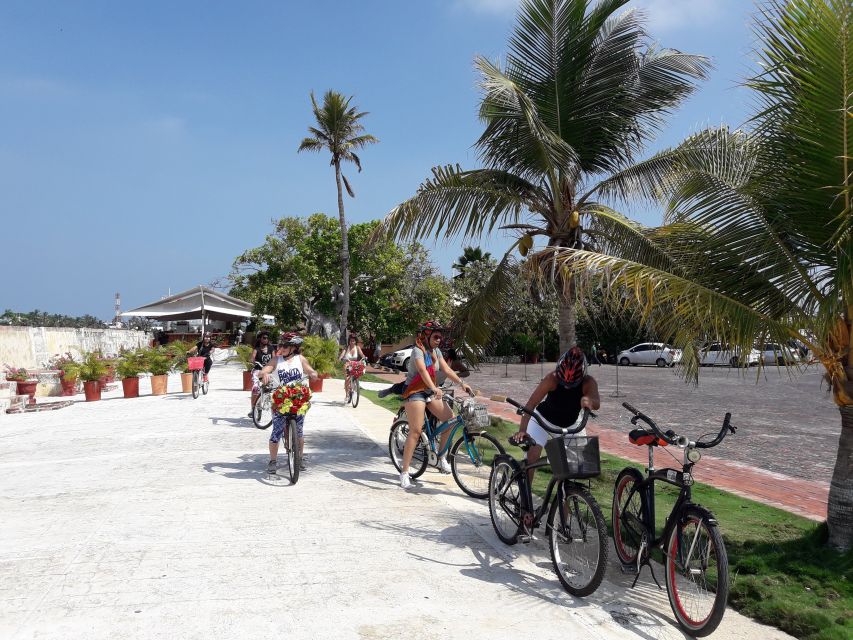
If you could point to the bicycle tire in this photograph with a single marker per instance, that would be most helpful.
(356, 393)
(262, 408)
(195, 384)
(472, 475)
(707, 549)
(585, 532)
(505, 501)
(293, 457)
(628, 519)
(396, 442)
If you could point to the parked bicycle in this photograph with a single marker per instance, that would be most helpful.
(470, 454)
(262, 411)
(200, 381)
(695, 560)
(577, 533)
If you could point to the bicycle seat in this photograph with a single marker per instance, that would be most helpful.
(646, 438)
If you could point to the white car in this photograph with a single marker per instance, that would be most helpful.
(656, 353)
(775, 353)
(400, 358)
(716, 355)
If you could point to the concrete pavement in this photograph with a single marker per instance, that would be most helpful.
(154, 518)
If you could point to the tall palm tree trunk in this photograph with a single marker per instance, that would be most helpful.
(567, 317)
(841, 487)
(344, 255)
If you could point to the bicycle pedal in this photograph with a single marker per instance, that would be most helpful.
(526, 538)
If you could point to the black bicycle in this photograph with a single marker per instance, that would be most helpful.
(263, 409)
(696, 564)
(577, 533)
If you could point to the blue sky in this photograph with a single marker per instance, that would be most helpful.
(145, 145)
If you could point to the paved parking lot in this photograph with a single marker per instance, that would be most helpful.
(787, 423)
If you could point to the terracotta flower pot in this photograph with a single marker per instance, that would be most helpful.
(316, 386)
(159, 384)
(130, 387)
(187, 382)
(69, 386)
(102, 381)
(28, 388)
(247, 381)
(92, 389)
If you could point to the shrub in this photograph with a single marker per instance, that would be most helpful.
(321, 354)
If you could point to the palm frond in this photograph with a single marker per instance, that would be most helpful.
(347, 186)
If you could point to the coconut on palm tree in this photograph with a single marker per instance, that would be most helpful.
(340, 132)
(582, 91)
(758, 241)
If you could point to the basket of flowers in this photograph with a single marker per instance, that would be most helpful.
(292, 398)
(355, 368)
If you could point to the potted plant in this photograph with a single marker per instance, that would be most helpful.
(159, 362)
(244, 356)
(109, 371)
(128, 368)
(25, 384)
(178, 351)
(322, 354)
(68, 375)
(528, 346)
(91, 370)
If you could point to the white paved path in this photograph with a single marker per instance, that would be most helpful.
(154, 518)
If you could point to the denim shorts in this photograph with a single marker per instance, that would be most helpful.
(420, 396)
(278, 422)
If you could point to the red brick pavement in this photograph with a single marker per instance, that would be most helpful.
(802, 497)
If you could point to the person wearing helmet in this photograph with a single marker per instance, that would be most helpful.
(261, 355)
(289, 366)
(423, 393)
(350, 353)
(559, 398)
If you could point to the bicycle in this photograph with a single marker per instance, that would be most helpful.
(577, 533)
(695, 559)
(291, 441)
(355, 388)
(262, 411)
(200, 381)
(470, 454)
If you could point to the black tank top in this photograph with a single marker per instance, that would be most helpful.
(261, 358)
(562, 406)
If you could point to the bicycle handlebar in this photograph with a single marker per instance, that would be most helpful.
(560, 431)
(681, 441)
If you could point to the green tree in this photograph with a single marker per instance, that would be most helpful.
(339, 131)
(758, 242)
(469, 256)
(582, 92)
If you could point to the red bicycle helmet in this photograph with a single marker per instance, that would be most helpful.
(290, 338)
(429, 326)
(571, 368)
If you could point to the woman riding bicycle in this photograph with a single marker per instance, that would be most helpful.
(203, 349)
(559, 398)
(423, 393)
(290, 366)
(261, 355)
(349, 354)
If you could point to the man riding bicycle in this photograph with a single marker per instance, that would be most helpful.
(203, 349)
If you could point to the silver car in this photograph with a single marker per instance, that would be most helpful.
(656, 353)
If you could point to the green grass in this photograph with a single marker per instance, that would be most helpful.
(781, 572)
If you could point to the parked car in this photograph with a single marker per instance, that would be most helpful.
(400, 358)
(656, 353)
(774, 353)
(718, 355)
(385, 361)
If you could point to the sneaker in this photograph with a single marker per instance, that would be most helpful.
(252, 413)
(444, 465)
(271, 466)
(302, 466)
(205, 378)
(405, 481)
(384, 392)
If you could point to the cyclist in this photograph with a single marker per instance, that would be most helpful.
(290, 366)
(350, 353)
(423, 393)
(559, 398)
(261, 355)
(203, 349)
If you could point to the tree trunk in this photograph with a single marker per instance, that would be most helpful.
(344, 256)
(840, 516)
(568, 318)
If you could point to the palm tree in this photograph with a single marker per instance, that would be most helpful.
(580, 95)
(469, 255)
(758, 241)
(339, 131)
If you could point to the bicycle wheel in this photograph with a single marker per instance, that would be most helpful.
(262, 412)
(471, 459)
(196, 378)
(396, 443)
(578, 540)
(293, 456)
(356, 393)
(627, 515)
(697, 572)
(505, 501)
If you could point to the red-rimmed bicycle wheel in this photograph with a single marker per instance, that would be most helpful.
(627, 515)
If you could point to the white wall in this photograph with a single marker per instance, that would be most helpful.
(32, 347)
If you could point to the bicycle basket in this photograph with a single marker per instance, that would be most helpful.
(574, 458)
(194, 364)
(475, 415)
